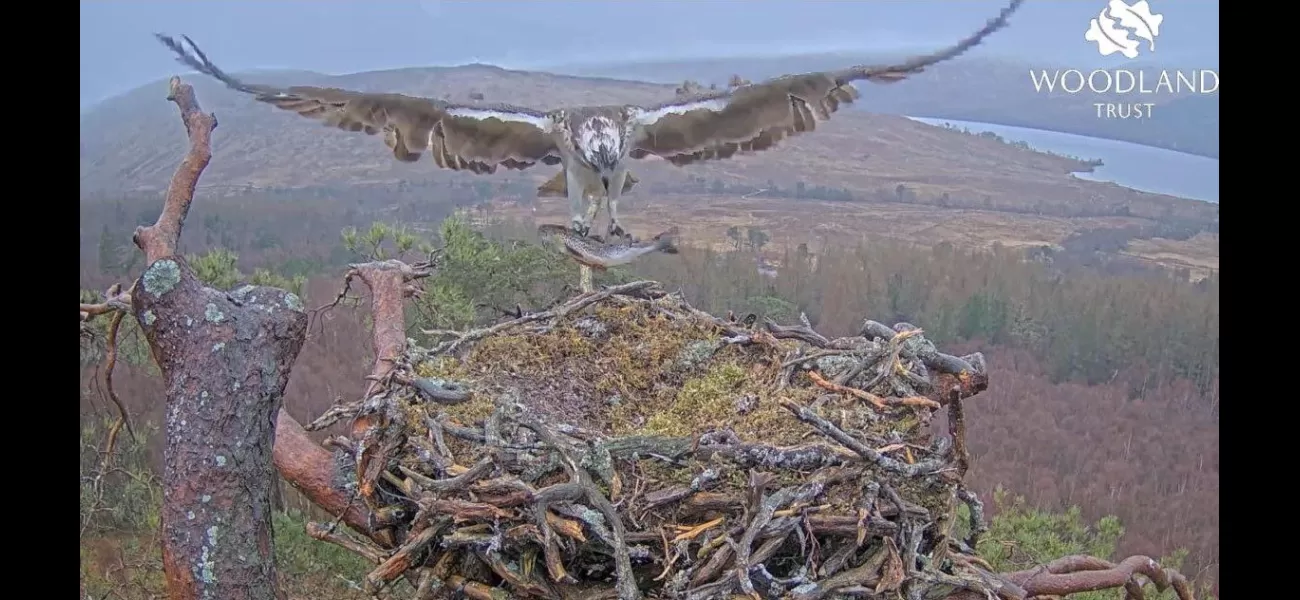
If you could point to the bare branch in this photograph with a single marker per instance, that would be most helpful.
(1077, 574)
(161, 238)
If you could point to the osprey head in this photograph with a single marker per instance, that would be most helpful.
(599, 137)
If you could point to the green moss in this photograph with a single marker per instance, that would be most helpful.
(628, 369)
(701, 400)
(529, 353)
(671, 377)
(444, 367)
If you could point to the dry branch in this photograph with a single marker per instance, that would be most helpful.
(226, 358)
(160, 239)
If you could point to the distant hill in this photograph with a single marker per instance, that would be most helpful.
(969, 89)
(131, 142)
(845, 179)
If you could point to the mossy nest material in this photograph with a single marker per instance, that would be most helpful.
(625, 444)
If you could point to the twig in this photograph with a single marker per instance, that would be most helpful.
(830, 430)
(879, 402)
(327, 533)
(117, 304)
(401, 560)
(574, 305)
(978, 526)
(123, 416)
(797, 332)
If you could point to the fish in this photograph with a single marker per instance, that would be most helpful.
(600, 255)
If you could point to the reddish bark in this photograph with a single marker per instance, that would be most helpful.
(160, 239)
(310, 468)
(304, 464)
(386, 281)
(1077, 574)
(390, 282)
(226, 358)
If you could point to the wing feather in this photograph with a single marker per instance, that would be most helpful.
(475, 138)
(750, 118)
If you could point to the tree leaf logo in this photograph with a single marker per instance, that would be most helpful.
(1115, 25)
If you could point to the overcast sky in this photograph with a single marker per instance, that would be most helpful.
(119, 52)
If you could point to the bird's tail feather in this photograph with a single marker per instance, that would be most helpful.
(189, 54)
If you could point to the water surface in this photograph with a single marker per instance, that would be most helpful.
(1136, 166)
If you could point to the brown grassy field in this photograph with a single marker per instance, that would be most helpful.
(704, 221)
(1199, 254)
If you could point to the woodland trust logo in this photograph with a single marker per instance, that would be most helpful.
(1111, 39)
(1127, 30)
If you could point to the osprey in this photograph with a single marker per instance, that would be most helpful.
(592, 143)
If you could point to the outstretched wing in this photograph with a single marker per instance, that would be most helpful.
(473, 138)
(750, 118)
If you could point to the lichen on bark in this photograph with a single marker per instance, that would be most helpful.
(217, 460)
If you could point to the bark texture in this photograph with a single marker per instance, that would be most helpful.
(226, 359)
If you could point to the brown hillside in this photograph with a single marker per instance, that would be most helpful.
(128, 143)
(125, 145)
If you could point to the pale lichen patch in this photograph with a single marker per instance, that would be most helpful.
(213, 314)
(293, 302)
(221, 460)
(218, 346)
(241, 292)
(206, 570)
(696, 353)
(161, 277)
(149, 317)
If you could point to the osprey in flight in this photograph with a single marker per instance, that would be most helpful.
(592, 143)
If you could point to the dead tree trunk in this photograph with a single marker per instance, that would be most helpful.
(226, 358)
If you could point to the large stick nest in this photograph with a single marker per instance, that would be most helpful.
(626, 445)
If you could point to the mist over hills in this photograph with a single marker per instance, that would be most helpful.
(991, 90)
(127, 141)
